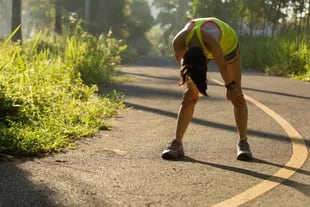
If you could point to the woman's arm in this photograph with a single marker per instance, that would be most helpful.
(214, 47)
(178, 44)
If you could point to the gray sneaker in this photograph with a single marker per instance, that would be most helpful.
(243, 151)
(174, 150)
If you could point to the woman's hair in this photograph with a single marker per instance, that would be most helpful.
(195, 65)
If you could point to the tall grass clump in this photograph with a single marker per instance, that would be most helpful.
(291, 57)
(95, 58)
(44, 101)
(284, 55)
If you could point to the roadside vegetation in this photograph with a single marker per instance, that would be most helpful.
(56, 69)
(286, 55)
(49, 92)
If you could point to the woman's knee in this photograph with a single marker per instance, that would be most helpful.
(190, 97)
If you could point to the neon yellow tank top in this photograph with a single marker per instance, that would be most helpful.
(228, 38)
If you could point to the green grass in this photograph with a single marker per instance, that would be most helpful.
(49, 92)
(284, 55)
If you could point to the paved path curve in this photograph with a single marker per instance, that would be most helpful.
(122, 167)
(298, 158)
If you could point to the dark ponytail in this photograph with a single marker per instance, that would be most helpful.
(195, 65)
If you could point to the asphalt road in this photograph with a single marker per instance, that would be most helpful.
(123, 167)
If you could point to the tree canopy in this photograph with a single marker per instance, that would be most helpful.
(249, 17)
(129, 20)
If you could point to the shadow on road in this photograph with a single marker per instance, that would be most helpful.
(156, 61)
(303, 188)
(141, 91)
(212, 124)
(305, 172)
(277, 93)
(170, 62)
(270, 92)
(17, 190)
(171, 78)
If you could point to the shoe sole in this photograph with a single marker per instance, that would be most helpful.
(244, 157)
(168, 156)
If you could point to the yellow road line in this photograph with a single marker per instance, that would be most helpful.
(299, 156)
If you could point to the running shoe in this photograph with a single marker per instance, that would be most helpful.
(243, 151)
(174, 150)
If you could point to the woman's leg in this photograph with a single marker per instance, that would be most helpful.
(190, 97)
(240, 109)
(241, 114)
(186, 111)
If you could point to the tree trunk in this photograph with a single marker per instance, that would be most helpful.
(275, 20)
(264, 26)
(251, 24)
(308, 23)
(16, 20)
(308, 19)
(240, 29)
(58, 25)
(87, 13)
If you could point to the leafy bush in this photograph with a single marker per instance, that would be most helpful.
(45, 103)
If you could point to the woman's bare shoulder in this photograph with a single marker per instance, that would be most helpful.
(182, 34)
